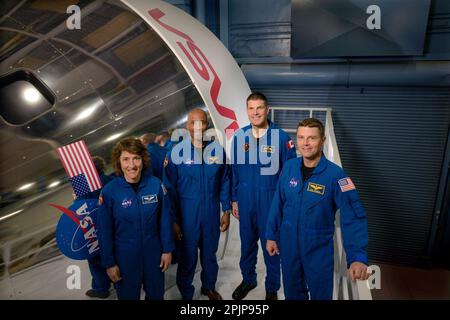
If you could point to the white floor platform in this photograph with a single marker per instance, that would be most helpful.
(49, 280)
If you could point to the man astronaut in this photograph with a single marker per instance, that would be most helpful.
(301, 221)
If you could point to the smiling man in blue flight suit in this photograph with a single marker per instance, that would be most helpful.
(302, 216)
(198, 181)
(135, 230)
(259, 152)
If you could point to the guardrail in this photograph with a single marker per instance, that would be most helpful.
(7, 248)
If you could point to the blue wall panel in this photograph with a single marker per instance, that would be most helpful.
(392, 142)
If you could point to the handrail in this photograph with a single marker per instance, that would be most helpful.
(347, 289)
(29, 235)
(6, 249)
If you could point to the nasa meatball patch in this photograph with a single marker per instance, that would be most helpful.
(76, 231)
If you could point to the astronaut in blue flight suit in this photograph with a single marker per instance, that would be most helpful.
(259, 152)
(100, 283)
(135, 230)
(198, 181)
(156, 152)
(300, 226)
(165, 141)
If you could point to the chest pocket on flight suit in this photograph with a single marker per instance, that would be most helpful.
(126, 217)
(150, 212)
(124, 212)
(269, 171)
(189, 176)
(213, 176)
(291, 204)
(318, 213)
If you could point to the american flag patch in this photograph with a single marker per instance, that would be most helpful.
(346, 184)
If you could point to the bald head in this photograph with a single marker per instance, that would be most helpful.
(197, 113)
(197, 123)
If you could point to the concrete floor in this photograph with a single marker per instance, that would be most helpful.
(49, 280)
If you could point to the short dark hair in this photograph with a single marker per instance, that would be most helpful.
(257, 96)
(132, 145)
(99, 164)
(313, 123)
(165, 136)
(147, 138)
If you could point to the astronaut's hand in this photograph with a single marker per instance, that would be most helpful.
(358, 271)
(225, 221)
(114, 273)
(272, 247)
(177, 231)
(235, 211)
(166, 259)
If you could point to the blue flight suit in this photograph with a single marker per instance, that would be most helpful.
(169, 144)
(254, 191)
(100, 280)
(302, 222)
(197, 188)
(135, 229)
(157, 155)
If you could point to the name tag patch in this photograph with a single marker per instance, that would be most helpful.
(152, 198)
(213, 160)
(268, 149)
(316, 188)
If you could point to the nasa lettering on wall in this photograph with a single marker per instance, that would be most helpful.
(76, 231)
(357, 28)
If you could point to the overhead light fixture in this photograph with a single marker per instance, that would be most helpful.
(10, 214)
(23, 97)
(54, 184)
(31, 95)
(26, 186)
(114, 137)
(88, 111)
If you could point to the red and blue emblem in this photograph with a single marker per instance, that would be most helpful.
(293, 183)
(126, 203)
(76, 231)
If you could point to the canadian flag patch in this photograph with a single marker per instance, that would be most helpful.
(290, 144)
